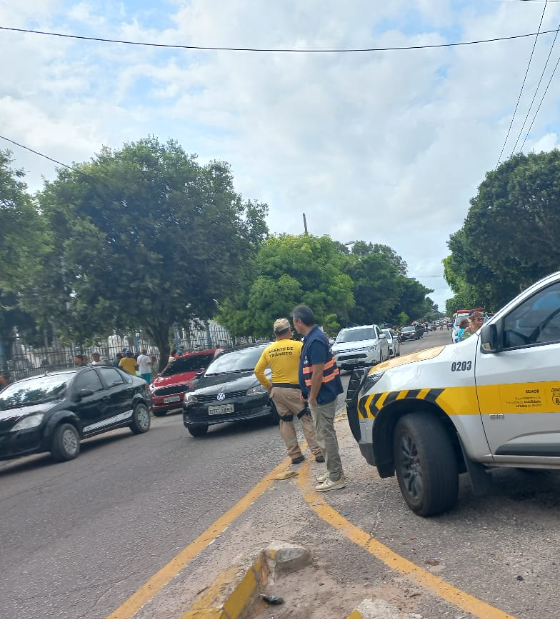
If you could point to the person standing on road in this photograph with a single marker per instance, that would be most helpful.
(282, 357)
(97, 361)
(319, 380)
(145, 366)
(128, 363)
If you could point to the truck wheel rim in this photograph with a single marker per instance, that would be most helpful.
(410, 467)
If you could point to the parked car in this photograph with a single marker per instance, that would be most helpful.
(178, 377)
(54, 412)
(227, 392)
(393, 342)
(358, 347)
(411, 332)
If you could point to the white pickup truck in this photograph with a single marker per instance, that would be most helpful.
(490, 401)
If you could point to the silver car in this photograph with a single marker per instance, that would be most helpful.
(393, 342)
(362, 346)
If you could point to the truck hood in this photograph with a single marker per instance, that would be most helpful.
(426, 354)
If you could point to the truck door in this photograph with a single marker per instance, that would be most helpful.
(518, 387)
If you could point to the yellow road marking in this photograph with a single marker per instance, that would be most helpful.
(146, 592)
(422, 577)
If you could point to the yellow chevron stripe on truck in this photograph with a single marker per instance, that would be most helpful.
(508, 398)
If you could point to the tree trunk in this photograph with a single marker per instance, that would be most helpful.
(159, 334)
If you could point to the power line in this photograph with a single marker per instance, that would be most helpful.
(279, 50)
(542, 99)
(22, 146)
(522, 86)
(534, 96)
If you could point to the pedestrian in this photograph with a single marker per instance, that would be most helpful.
(463, 324)
(117, 359)
(97, 361)
(282, 357)
(145, 366)
(319, 380)
(80, 360)
(476, 321)
(128, 363)
(3, 382)
(172, 356)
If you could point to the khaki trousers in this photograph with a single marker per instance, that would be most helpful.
(323, 416)
(289, 404)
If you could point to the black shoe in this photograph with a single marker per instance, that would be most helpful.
(298, 459)
(319, 459)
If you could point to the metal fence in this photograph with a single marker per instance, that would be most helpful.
(26, 361)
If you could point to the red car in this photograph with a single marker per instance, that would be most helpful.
(169, 387)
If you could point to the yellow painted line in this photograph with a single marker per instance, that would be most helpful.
(422, 577)
(146, 592)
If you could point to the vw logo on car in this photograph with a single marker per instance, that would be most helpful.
(221, 396)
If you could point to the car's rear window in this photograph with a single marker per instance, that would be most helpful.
(189, 363)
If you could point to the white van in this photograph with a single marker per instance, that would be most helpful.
(492, 400)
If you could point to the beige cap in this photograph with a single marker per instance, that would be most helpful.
(281, 325)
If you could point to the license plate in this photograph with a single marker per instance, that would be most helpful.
(220, 409)
(172, 399)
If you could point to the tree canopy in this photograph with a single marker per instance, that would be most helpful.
(509, 237)
(291, 270)
(144, 236)
(361, 285)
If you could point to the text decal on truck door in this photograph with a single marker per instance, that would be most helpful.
(460, 366)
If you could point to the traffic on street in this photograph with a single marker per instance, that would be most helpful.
(126, 529)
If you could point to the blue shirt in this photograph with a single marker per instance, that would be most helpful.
(317, 350)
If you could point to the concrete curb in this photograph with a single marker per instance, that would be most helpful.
(235, 589)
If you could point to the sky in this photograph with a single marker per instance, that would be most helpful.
(386, 147)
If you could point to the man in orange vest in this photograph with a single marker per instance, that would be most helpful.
(282, 357)
(319, 380)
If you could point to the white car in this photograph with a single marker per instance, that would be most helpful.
(359, 347)
(393, 342)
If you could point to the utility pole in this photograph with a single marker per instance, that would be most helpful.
(305, 224)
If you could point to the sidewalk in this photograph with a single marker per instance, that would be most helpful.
(343, 573)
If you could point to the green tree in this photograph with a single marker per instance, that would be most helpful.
(144, 236)
(509, 238)
(381, 287)
(292, 270)
(22, 235)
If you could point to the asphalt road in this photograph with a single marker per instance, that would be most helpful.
(78, 538)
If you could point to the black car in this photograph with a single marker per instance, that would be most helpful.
(53, 412)
(411, 332)
(227, 392)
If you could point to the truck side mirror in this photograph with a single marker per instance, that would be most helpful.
(489, 339)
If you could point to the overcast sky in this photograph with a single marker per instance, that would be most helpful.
(386, 147)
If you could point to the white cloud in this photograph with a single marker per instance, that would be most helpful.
(385, 147)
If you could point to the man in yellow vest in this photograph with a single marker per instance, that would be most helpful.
(282, 357)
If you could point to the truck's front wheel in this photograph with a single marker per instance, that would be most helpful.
(425, 464)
